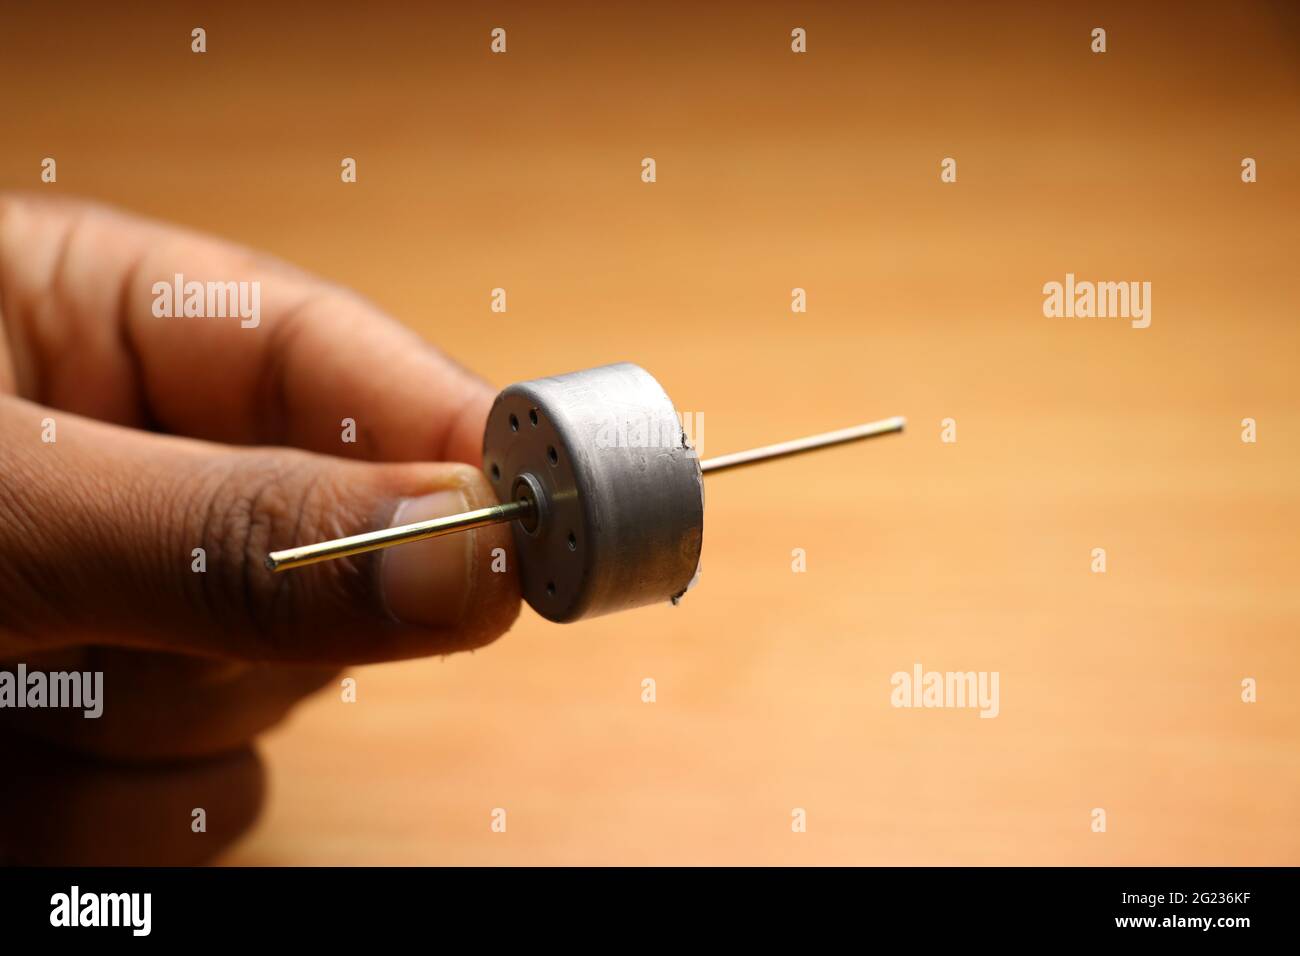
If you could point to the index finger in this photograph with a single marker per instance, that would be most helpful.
(97, 327)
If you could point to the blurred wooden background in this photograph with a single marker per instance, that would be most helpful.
(776, 170)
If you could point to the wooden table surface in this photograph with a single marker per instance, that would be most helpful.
(1119, 691)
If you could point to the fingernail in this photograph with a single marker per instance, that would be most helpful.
(428, 583)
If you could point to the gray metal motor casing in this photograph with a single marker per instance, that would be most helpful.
(621, 498)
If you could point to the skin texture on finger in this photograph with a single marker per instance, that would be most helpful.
(76, 297)
(98, 531)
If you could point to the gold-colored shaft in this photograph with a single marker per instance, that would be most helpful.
(401, 534)
(497, 514)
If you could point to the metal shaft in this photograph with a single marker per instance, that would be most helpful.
(402, 534)
(498, 514)
(800, 445)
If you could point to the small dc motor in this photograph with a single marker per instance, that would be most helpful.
(604, 489)
(616, 491)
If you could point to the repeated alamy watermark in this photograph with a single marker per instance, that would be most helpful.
(82, 908)
(957, 689)
(1102, 300)
(645, 431)
(208, 300)
(75, 690)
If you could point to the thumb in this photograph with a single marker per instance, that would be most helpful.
(114, 536)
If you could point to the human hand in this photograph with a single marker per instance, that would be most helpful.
(152, 420)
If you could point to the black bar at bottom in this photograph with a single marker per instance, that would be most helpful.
(1170, 906)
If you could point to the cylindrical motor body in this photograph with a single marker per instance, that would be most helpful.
(619, 497)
